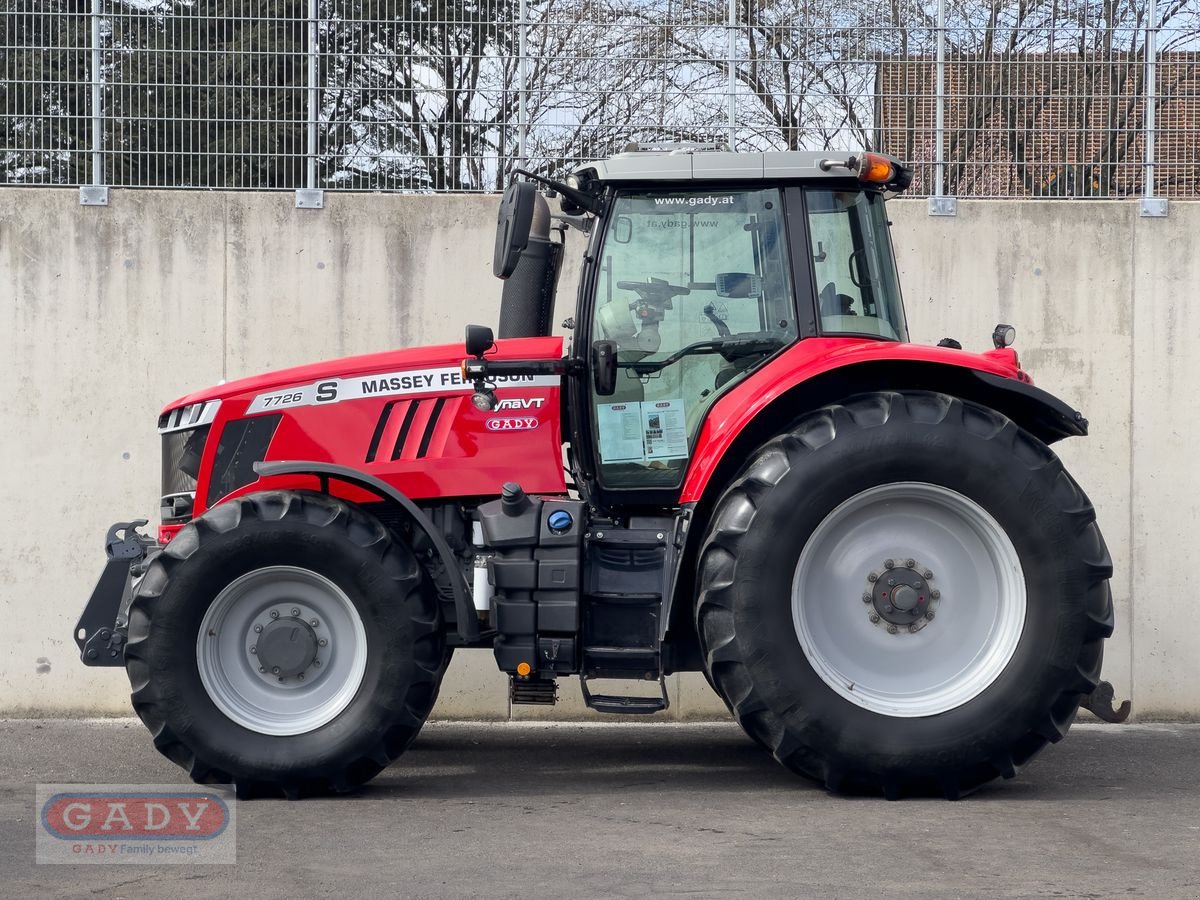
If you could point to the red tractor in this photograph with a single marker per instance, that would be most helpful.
(738, 465)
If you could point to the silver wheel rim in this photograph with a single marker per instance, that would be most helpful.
(936, 664)
(258, 698)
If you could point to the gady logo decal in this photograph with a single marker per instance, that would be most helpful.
(134, 824)
(511, 424)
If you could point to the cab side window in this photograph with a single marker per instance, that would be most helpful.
(854, 272)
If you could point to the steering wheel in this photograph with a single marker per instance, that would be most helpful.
(655, 291)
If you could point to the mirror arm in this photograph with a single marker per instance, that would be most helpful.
(592, 204)
(579, 223)
(480, 370)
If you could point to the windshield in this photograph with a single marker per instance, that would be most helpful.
(854, 272)
(695, 290)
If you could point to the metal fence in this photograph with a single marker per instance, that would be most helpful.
(988, 98)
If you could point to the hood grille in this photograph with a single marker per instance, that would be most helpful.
(413, 429)
(181, 452)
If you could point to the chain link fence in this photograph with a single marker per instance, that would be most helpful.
(987, 98)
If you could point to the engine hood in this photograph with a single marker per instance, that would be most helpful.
(387, 361)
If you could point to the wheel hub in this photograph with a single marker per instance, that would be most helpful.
(923, 668)
(281, 650)
(287, 647)
(901, 596)
(287, 643)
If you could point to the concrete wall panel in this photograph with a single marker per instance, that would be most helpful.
(1165, 478)
(107, 313)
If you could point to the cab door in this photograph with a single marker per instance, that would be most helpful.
(694, 289)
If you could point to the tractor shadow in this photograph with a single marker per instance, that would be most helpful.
(501, 760)
(482, 761)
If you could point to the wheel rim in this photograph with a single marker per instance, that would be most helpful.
(953, 569)
(306, 674)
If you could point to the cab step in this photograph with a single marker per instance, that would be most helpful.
(625, 705)
(532, 691)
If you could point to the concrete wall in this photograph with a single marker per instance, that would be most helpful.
(106, 313)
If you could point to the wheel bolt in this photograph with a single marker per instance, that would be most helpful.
(295, 612)
(866, 598)
(261, 669)
(874, 617)
(322, 642)
(257, 629)
(927, 573)
(316, 662)
(935, 594)
(910, 562)
(889, 564)
(254, 649)
(274, 614)
(913, 629)
(301, 676)
(275, 671)
(892, 629)
(314, 623)
(891, 581)
(872, 578)
(929, 615)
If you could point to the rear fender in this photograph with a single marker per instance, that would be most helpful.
(760, 408)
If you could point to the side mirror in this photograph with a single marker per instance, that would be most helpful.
(604, 367)
(479, 340)
(512, 227)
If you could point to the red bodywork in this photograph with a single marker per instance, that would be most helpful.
(444, 447)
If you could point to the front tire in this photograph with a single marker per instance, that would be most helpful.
(284, 642)
(904, 594)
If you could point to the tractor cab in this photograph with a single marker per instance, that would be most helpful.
(700, 266)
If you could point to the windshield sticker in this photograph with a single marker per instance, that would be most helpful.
(665, 429)
(641, 432)
(694, 200)
(387, 384)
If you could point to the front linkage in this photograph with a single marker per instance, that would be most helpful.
(101, 630)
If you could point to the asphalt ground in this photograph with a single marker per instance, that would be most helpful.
(564, 811)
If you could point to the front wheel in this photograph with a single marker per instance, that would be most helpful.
(284, 642)
(906, 594)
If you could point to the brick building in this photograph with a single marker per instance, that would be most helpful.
(1044, 125)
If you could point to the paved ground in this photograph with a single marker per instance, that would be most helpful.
(566, 811)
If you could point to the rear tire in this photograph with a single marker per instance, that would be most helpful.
(797, 640)
(346, 614)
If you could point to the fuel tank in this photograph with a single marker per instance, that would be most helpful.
(405, 416)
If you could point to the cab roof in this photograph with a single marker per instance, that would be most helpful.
(707, 162)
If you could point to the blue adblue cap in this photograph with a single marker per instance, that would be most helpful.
(559, 521)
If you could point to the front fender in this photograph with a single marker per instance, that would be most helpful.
(464, 607)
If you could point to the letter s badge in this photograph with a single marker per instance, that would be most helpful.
(327, 391)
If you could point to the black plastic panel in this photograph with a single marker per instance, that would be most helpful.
(243, 442)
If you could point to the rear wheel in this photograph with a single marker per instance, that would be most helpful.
(287, 643)
(904, 594)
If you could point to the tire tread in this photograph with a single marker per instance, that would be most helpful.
(322, 511)
(715, 623)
